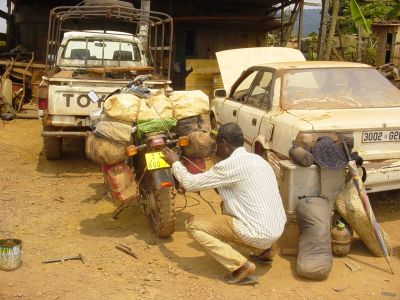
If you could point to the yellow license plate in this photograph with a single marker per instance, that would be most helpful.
(154, 161)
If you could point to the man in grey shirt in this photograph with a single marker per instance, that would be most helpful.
(253, 212)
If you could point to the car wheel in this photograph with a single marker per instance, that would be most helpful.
(272, 159)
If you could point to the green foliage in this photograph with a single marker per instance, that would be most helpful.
(394, 12)
(359, 20)
(372, 10)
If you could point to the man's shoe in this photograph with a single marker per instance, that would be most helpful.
(238, 275)
(265, 257)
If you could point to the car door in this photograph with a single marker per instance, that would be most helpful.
(238, 95)
(255, 106)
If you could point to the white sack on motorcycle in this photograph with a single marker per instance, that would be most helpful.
(128, 107)
(114, 130)
(189, 103)
(180, 104)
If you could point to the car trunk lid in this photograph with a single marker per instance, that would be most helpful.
(376, 131)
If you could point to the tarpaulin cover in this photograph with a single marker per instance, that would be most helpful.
(155, 125)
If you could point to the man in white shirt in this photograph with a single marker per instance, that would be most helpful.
(253, 212)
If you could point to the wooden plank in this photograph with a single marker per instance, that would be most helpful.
(395, 52)
(381, 47)
(22, 64)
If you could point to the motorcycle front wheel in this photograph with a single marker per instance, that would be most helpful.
(163, 215)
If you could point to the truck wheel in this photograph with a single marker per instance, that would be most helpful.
(52, 146)
(163, 216)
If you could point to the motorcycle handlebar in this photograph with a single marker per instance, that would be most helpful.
(168, 142)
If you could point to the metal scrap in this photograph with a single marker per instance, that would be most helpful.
(126, 250)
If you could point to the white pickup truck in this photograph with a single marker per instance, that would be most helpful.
(99, 60)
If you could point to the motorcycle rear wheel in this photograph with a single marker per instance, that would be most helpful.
(163, 215)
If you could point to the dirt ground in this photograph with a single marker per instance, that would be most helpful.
(57, 209)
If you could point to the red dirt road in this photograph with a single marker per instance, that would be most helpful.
(57, 209)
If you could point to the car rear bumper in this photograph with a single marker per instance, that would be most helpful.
(382, 175)
(66, 121)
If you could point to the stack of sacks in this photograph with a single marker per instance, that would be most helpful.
(178, 105)
(177, 109)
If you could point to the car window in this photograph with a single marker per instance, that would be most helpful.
(260, 92)
(100, 49)
(242, 91)
(336, 88)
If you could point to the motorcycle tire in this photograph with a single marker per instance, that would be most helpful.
(163, 217)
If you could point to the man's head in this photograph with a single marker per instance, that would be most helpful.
(229, 137)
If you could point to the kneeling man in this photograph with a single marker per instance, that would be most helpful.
(253, 212)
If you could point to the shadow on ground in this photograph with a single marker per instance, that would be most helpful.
(73, 160)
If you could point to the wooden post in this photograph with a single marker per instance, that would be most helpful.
(144, 24)
(322, 29)
(9, 25)
(282, 16)
(300, 29)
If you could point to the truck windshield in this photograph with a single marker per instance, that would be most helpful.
(97, 50)
(335, 88)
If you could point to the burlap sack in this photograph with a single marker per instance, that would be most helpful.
(349, 206)
(128, 107)
(114, 130)
(200, 144)
(180, 104)
(314, 258)
(104, 151)
(187, 125)
(189, 103)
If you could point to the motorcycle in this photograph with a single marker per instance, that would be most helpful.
(156, 185)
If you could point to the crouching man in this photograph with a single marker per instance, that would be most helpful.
(253, 212)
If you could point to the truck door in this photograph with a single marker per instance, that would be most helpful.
(238, 95)
(255, 106)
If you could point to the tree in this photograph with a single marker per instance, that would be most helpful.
(332, 29)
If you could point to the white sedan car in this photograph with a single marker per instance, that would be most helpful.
(279, 99)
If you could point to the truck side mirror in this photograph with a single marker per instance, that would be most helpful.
(93, 96)
(219, 93)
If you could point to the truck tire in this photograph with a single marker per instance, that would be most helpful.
(163, 217)
(52, 146)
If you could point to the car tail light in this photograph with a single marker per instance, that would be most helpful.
(43, 94)
(183, 141)
(165, 184)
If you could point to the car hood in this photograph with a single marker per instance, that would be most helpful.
(350, 119)
(233, 62)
